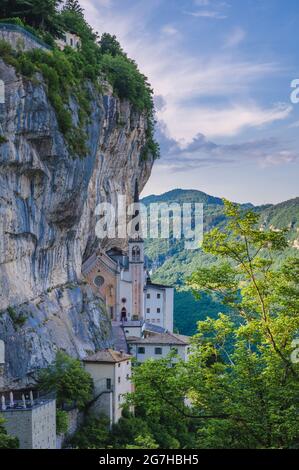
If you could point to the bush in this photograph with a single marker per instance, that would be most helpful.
(61, 422)
(67, 377)
(18, 319)
(6, 441)
(93, 434)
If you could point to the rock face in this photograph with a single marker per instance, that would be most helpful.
(47, 218)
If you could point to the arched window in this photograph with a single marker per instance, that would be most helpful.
(135, 253)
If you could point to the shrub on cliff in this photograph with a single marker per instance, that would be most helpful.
(68, 74)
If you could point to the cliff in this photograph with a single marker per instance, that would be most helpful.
(47, 203)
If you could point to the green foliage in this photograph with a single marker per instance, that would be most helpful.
(240, 381)
(159, 398)
(67, 377)
(176, 263)
(6, 441)
(43, 15)
(61, 421)
(68, 74)
(143, 442)
(18, 318)
(3, 139)
(93, 434)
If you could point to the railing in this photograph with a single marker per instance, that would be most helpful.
(9, 403)
(25, 32)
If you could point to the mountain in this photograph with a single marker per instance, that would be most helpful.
(171, 263)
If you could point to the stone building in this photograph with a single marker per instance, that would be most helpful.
(111, 374)
(69, 39)
(33, 422)
(158, 346)
(122, 281)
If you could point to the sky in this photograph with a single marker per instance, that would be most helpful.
(221, 73)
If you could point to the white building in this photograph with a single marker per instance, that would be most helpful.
(122, 281)
(69, 39)
(111, 374)
(158, 346)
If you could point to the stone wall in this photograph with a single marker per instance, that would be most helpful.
(20, 39)
(34, 427)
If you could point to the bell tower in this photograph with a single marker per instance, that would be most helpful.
(136, 265)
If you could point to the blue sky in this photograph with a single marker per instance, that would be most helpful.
(221, 72)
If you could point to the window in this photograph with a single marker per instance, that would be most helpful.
(153, 320)
(158, 296)
(99, 281)
(108, 384)
(118, 380)
(141, 350)
(135, 253)
(118, 365)
(119, 397)
(158, 310)
(128, 376)
(158, 320)
(158, 351)
(148, 296)
(148, 310)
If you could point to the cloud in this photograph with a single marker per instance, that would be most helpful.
(235, 38)
(202, 3)
(184, 79)
(183, 123)
(207, 14)
(202, 152)
(169, 30)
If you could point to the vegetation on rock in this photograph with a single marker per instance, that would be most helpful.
(70, 73)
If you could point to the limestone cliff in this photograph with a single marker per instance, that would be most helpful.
(47, 218)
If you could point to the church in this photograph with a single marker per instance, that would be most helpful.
(122, 281)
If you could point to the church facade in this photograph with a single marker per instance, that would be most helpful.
(121, 280)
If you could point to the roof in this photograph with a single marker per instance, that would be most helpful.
(132, 323)
(165, 338)
(108, 355)
(157, 286)
(155, 328)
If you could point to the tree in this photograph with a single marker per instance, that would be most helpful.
(159, 399)
(6, 441)
(93, 434)
(241, 364)
(110, 45)
(40, 14)
(68, 379)
(73, 6)
(240, 383)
